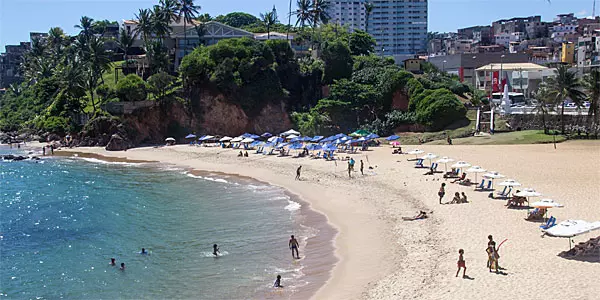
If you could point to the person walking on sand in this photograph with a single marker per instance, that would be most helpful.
(442, 192)
(461, 263)
(492, 252)
(349, 170)
(298, 172)
(293, 244)
(362, 166)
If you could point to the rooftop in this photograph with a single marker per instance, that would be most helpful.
(513, 66)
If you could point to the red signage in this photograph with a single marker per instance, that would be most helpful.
(461, 74)
(495, 85)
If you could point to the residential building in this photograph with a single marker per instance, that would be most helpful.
(542, 54)
(489, 49)
(180, 42)
(398, 26)
(348, 13)
(414, 65)
(560, 32)
(514, 25)
(568, 53)
(37, 35)
(464, 65)
(535, 29)
(10, 62)
(435, 47)
(569, 19)
(480, 34)
(520, 77)
(458, 46)
(588, 52)
(273, 36)
(504, 39)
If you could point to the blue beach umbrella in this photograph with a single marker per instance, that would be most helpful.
(316, 138)
(190, 136)
(392, 137)
(266, 135)
(372, 136)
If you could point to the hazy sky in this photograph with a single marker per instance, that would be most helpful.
(19, 17)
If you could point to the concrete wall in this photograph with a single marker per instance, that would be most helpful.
(125, 108)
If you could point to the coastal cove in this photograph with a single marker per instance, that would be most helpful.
(175, 212)
(382, 257)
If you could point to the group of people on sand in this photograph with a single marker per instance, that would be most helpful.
(243, 154)
(492, 262)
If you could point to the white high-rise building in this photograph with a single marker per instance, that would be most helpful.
(398, 26)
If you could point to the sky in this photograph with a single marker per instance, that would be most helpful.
(19, 17)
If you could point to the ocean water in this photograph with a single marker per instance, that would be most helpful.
(62, 219)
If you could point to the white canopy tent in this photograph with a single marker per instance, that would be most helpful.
(225, 139)
(290, 132)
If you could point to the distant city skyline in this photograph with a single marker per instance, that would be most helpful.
(19, 17)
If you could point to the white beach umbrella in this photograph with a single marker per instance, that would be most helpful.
(461, 165)
(169, 139)
(445, 160)
(225, 139)
(546, 203)
(529, 192)
(476, 170)
(290, 132)
(429, 156)
(571, 228)
(247, 140)
(415, 152)
(291, 136)
(237, 139)
(509, 182)
(492, 176)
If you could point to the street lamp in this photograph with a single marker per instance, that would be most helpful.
(501, 76)
(474, 74)
(444, 66)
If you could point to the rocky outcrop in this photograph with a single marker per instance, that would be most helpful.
(117, 143)
(17, 157)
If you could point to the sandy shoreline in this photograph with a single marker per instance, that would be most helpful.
(382, 257)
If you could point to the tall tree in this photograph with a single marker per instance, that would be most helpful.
(303, 13)
(125, 42)
(170, 10)
(319, 14)
(545, 102)
(368, 10)
(86, 25)
(144, 24)
(98, 62)
(160, 19)
(592, 87)
(187, 11)
(565, 85)
(269, 19)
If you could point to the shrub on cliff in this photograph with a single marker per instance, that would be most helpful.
(131, 88)
(338, 61)
(439, 109)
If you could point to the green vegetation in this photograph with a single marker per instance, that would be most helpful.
(131, 88)
(508, 138)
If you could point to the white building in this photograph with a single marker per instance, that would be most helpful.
(348, 13)
(558, 32)
(505, 39)
(520, 77)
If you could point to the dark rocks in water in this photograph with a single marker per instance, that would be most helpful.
(14, 157)
(117, 143)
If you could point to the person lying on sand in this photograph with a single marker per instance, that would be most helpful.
(240, 154)
(421, 215)
(461, 178)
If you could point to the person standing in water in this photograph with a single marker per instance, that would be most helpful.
(298, 173)
(215, 250)
(112, 262)
(144, 252)
(293, 244)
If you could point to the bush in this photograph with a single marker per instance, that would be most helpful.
(58, 125)
(440, 109)
(159, 83)
(338, 61)
(131, 88)
(105, 92)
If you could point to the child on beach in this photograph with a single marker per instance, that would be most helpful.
(298, 173)
(277, 283)
(442, 192)
(461, 263)
(493, 255)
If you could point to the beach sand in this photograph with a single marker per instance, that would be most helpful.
(382, 257)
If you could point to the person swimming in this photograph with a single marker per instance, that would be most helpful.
(144, 251)
(216, 250)
(122, 268)
(277, 283)
(112, 262)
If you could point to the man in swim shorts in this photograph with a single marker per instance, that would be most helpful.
(293, 244)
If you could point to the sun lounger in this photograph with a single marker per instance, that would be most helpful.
(551, 222)
(419, 163)
(480, 186)
(505, 192)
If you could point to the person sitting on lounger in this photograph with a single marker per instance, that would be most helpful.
(516, 201)
(421, 215)
(461, 178)
(536, 214)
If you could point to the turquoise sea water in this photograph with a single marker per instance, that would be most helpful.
(62, 219)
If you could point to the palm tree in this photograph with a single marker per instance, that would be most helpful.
(187, 11)
(319, 14)
(144, 24)
(160, 22)
(86, 25)
(565, 85)
(56, 40)
(368, 10)
(269, 19)
(98, 62)
(303, 13)
(170, 9)
(592, 87)
(125, 42)
(545, 103)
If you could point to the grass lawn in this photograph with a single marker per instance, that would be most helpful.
(109, 76)
(458, 130)
(508, 138)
